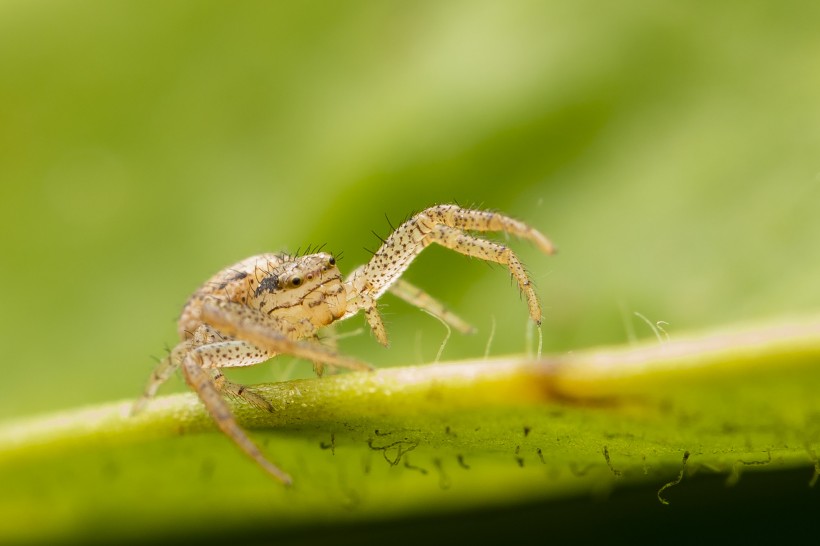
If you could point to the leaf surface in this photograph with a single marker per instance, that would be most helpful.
(425, 439)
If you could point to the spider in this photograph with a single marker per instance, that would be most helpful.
(274, 304)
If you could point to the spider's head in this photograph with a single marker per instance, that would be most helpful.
(304, 274)
(303, 287)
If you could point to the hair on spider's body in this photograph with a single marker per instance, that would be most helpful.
(273, 304)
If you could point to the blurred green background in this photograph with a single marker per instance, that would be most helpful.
(669, 149)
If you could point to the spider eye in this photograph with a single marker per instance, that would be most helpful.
(332, 261)
(296, 281)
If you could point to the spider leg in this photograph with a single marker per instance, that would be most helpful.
(213, 354)
(330, 343)
(231, 354)
(209, 393)
(476, 247)
(421, 299)
(163, 371)
(275, 336)
(444, 225)
(374, 318)
(240, 391)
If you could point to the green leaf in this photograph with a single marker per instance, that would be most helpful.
(425, 439)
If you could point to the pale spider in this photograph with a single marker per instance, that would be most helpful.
(274, 304)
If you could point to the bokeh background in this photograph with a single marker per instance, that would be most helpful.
(671, 150)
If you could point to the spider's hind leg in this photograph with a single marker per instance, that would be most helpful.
(421, 299)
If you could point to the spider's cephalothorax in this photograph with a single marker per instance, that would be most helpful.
(303, 291)
(276, 303)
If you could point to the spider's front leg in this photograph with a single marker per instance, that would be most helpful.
(207, 351)
(259, 337)
(212, 352)
(202, 357)
(446, 225)
(274, 335)
(199, 380)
